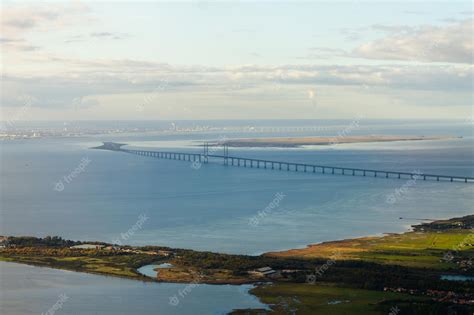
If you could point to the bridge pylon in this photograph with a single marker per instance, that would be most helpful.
(226, 154)
(206, 152)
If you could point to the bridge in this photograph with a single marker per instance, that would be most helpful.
(228, 160)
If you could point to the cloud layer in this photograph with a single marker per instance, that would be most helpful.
(452, 43)
(91, 78)
(422, 66)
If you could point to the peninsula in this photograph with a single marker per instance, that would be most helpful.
(302, 141)
(367, 275)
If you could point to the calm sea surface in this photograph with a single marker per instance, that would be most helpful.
(209, 208)
(35, 290)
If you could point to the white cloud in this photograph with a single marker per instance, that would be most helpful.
(452, 43)
(18, 22)
(89, 78)
(60, 84)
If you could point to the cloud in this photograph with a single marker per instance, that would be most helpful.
(452, 43)
(16, 19)
(108, 35)
(352, 34)
(325, 53)
(471, 12)
(96, 36)
(90, 78)
(18, 22)
(393, 28)
(414, 12)
(17, 44)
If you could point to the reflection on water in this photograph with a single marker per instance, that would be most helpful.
(149, 270)
(457, 278)
(34, 290)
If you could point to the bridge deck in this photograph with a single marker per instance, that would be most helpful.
(296, 167)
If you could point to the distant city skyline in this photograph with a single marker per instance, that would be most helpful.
(104, 60)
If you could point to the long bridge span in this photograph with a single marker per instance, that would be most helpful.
(228, 160)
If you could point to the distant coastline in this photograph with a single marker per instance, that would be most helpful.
(124, 261)
(292, 142)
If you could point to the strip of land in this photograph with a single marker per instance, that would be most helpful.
(368, 275)
(424, 247)
(302, 141)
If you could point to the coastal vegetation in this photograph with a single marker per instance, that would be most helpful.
(422, 249)
(327, 299)
(88, 260)
(367, 275)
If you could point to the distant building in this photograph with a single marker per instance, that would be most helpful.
(87, 246)
(3, 241)
(164, 253)
(112, 247)
(265, 272)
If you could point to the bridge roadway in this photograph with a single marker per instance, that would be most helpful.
(296, 167)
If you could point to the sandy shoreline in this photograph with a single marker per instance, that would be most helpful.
(288, 142)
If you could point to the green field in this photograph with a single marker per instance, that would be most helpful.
(324, 299)
(114, 265)
(410, 249)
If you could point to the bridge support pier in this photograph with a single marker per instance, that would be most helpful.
(236, 161)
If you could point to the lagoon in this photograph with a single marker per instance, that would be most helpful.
(34, 290)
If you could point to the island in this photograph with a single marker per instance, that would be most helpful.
(292, 142)
(429, 269)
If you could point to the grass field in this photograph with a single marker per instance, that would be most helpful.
(324, 299)
(411, 249)
(119, 266)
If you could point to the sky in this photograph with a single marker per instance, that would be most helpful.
(151, 60)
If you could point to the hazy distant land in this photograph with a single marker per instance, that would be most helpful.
(301, 141)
